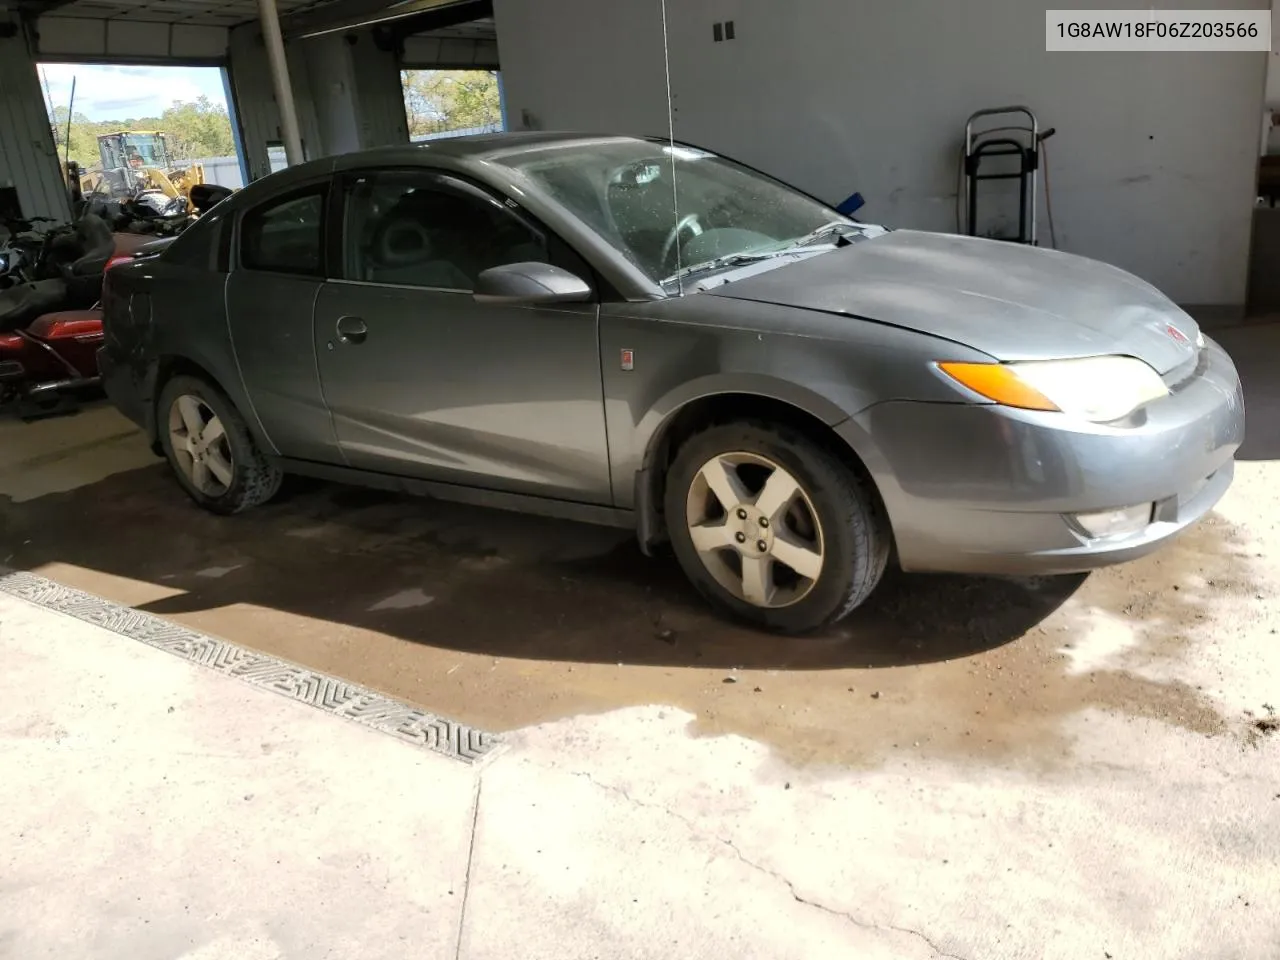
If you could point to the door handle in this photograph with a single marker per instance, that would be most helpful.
(352, 330)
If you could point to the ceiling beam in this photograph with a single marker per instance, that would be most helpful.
(392, 14)
(38, 8)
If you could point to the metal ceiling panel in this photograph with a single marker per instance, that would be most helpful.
(218, 13)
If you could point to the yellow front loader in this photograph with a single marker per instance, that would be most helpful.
(136, 162)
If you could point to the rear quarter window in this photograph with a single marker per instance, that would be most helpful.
(285, 235)
(196, 246)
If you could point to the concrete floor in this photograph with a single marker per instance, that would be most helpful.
(972, 768)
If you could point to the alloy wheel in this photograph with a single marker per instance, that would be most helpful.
(200, 446)
(755, 529)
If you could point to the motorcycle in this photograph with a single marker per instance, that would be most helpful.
(20, 250)
(50, 329)
(41, 357)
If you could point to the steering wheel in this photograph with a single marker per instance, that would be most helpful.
(688, 222)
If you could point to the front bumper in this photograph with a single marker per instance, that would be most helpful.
(980, 488)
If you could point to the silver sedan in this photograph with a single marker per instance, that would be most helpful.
(649, 335)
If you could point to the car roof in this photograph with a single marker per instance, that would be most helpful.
(480, 146)
(461, 152)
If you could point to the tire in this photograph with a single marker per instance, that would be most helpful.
(253, 478)
(834, 514)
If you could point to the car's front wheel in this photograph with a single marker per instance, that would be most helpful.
(773, 528)
(211, 450)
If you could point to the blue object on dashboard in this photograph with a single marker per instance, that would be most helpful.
(850, 205)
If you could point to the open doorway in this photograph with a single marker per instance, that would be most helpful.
(451, 103)
(133, 122)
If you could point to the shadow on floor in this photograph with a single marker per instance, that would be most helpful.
(459, 578)
(482, 581)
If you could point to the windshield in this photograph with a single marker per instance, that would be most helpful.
(147, 147)
(720, 213)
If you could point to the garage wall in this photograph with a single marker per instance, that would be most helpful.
(581, 65)
(130, 41)
(378, 96)
(347, 94)
(1152, 167)
(256, 109)
(28, 158)
(426, 52)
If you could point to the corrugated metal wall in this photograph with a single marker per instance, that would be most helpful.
(347, 94)
(379, 96)
(256, 102)
(28, 158)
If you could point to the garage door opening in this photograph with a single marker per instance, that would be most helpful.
(451, 103)
(451, 74)
(128, 123)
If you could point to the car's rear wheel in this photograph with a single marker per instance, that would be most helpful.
(773, 528)
(211, 450)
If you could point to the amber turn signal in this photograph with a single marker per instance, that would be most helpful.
(998, 383)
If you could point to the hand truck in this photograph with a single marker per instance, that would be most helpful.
(1025, 145)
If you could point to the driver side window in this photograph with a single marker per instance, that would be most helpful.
(409, 229)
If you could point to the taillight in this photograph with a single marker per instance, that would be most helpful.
(115, 260)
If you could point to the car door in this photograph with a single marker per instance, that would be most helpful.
(425, 382)
(277, 274)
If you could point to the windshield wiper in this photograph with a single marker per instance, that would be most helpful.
(826, 230)
(729, 260)
(738, 259)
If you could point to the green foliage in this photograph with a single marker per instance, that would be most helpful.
(439, 100)
(199, 129)
(193, 130)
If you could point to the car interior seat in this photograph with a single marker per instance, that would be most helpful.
(403, 251)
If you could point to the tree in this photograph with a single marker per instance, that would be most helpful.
(439, 100)
(193, 130)
(197, 130)
(84, 139)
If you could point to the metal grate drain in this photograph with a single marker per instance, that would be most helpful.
(330, 694)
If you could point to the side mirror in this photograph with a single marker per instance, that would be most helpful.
(530, 283)
(204, 196)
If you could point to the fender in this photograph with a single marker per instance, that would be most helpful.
(652, 425)
(222, 372)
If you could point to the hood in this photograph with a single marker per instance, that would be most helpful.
(1012, 302)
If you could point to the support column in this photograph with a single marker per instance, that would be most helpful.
(271, 36)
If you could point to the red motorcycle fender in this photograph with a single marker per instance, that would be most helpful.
(84, 326)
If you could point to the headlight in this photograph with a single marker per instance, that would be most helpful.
(1100, 389)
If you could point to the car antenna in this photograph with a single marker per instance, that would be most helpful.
(671, 148)
(71, 107)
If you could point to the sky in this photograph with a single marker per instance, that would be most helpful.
(121, 93)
